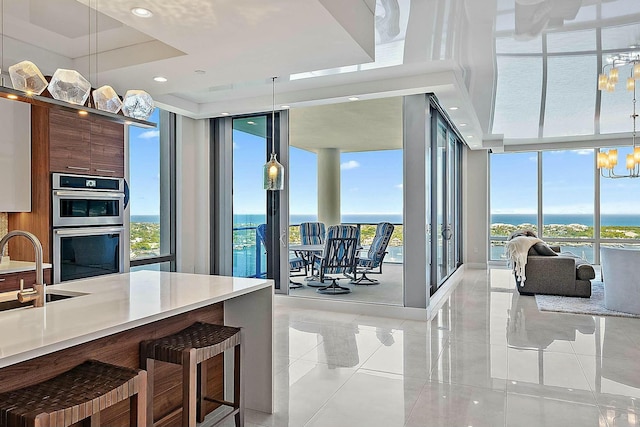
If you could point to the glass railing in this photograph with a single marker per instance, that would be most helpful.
(249, 256)
(250, 259)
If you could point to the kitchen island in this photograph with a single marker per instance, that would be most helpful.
(109, 315)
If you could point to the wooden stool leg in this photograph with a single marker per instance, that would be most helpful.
(150, 366)
(94, 420)
(202, 384)
(189, 388)
(138, 403)
(237, 387)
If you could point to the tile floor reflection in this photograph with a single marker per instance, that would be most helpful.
(487, 358)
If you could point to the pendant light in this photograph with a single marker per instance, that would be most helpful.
(273, 171)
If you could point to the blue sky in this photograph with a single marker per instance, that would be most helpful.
(568, 184)
(371, 182)
(144, 175)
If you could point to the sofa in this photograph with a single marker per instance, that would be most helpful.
(562, 274)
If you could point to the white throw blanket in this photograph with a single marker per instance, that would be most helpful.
(517, 250)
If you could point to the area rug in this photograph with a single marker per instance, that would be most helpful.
(594, 305)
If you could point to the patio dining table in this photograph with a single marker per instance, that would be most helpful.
(306, 253)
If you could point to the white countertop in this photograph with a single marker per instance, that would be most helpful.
(113, 303)
(18, 266)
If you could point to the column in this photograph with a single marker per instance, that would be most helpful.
(329, 186)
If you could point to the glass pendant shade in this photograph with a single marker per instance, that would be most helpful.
(636, 154)
(636, 71)
(631, 163)
(26, 77)
(631, 84)
(602, 81)
(273, 174)
(613, 75)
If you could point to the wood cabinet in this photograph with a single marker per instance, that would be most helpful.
(63, 141)
(11, 281)
(85, 145)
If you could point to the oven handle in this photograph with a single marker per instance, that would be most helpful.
(90, 194)
(87, 231)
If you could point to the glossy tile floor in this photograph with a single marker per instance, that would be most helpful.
(488, 358)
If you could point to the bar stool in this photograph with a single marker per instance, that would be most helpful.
(189, 348)
(76, 395)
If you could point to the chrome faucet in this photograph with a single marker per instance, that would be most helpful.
(37, 294)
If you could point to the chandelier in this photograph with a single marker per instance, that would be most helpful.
(607, 160)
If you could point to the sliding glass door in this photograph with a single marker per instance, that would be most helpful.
(249, 197)
(446, 148)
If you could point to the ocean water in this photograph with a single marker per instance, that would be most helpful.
(253, 219)
(605, 219)
(154, 219)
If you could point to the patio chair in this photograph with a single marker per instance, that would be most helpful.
(311, 233)
(339, 256)
(375, 255)
(296, 264)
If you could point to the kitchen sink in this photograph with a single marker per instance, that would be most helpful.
(50, 297)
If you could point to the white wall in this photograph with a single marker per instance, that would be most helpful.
(415, 133)
(192, 188)
(475, 207)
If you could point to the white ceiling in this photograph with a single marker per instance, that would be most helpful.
(371, 125)
(219, 55)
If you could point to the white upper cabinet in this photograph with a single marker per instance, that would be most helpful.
(15, 156)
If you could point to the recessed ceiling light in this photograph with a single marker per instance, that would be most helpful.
(83, 113)
(453, 108)
(251, 123)
(469, 136)
(353, 98)
(224, 114)
(141, 12)
(285, 106)
(160, 79)
(463, 124)
(12, 96)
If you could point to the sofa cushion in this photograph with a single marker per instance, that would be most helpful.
(543, 249)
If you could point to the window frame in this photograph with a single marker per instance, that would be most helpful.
(167, 128)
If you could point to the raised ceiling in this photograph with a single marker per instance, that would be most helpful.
(219, 55)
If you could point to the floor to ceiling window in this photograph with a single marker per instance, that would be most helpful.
(249, 196)
(580, 211)
(152, 194)
(514, 198)
(445, 199)
(567, 200)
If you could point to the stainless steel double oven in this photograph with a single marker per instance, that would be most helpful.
(88, 226)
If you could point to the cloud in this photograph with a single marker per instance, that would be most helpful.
(584, 152)
(351, 164)
(533, 158)
(399, 186)
(154, 133)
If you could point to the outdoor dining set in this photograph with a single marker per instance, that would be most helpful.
(335, 253)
